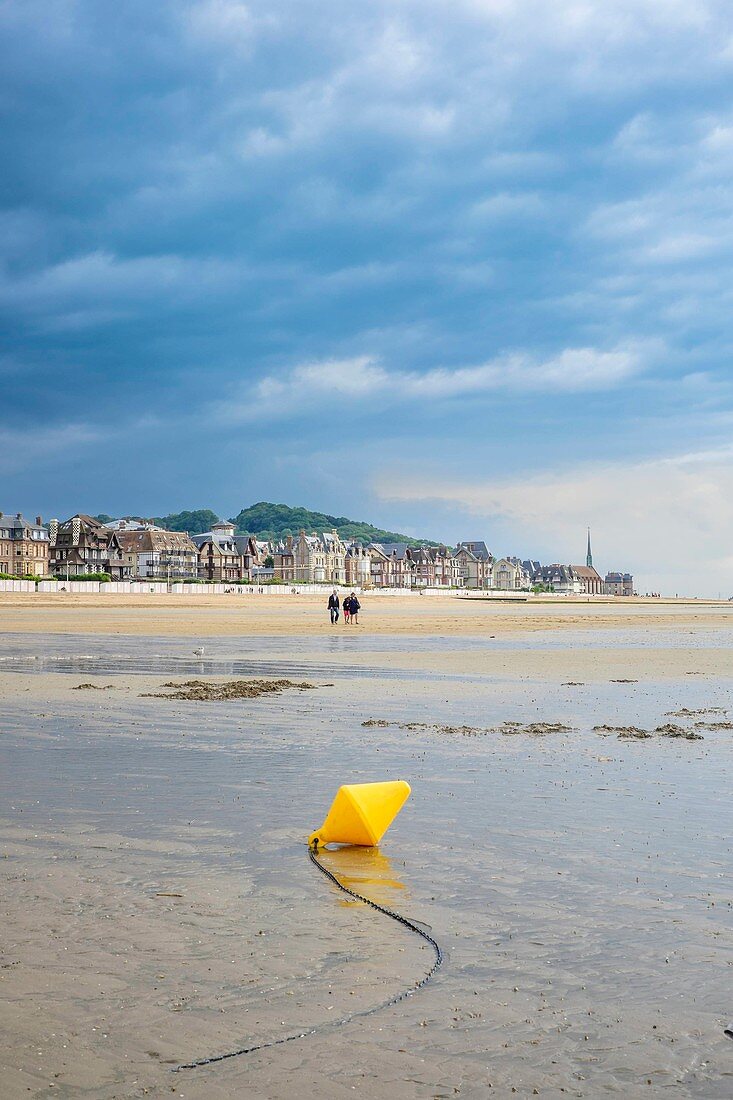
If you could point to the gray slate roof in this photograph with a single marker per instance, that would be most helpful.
(478, 549)
(392, 549)
(19, 527)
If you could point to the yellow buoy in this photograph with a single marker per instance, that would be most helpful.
(361, 813)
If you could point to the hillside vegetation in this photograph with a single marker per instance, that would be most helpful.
(275, 521)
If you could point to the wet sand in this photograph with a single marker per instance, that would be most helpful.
(579, 883)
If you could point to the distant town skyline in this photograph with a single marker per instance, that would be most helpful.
(181, 544)
(104, 551)
(458, 269)
(228, 514)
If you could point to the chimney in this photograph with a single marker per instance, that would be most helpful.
(39, 521)
(53, 531)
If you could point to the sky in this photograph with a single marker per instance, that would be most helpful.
(460, 269)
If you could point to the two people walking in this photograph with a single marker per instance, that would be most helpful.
(350, 605)
(351, 609)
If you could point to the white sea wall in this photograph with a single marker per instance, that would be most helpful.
(17, 586)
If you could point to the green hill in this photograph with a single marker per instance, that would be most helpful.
(273, 521)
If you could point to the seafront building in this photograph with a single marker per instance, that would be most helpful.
(82, 545)
(225, 556)
(316, 558)
(591, 582)
(153, 553)
(476, 564)
(619, 584)
(391, 565)
(557, 578)
(510, 575)
(358, 566)
(24, 547)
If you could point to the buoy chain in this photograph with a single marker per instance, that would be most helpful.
(328, 1025)
(394, 916)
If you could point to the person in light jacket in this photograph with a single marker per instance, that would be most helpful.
(333, 606)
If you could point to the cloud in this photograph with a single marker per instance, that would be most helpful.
(227, 23)
(64, 443)
(687, 215)
(99, 287)
(669, 520)
(669, 227)
(573, 370)
(505, 205)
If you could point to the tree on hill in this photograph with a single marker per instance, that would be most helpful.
(196, 522)
(275, 521)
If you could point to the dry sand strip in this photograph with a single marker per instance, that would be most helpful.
(289, 615)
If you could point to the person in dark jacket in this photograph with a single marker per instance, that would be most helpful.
(354, 606)
(333, 606)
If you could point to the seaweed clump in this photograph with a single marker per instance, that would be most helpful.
(534, 729)
(685, 712)
(531, 729)
(636, 733)
(201, 691)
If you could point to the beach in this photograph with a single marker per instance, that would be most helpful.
(282, 614)
(567, 842)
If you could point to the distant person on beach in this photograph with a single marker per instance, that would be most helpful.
(333, 606)
(347, 610)
(354, 606)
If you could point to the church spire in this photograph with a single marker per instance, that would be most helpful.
(589, 555)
